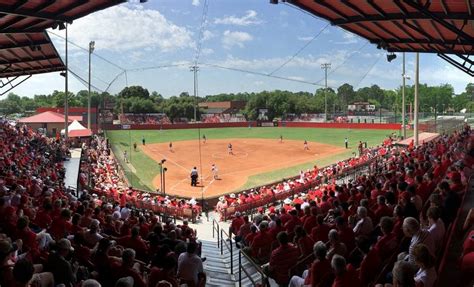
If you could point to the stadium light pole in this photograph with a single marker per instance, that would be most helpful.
(195, 69)
(325, 67)
(403, 99)
(66, 104)
(417, 78)
(91, 50)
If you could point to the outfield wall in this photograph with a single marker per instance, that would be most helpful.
(378, 126)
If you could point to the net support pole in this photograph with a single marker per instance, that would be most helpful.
(403, 99)
(416, 104)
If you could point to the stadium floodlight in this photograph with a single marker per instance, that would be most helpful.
(406, 76)
(391, 57)
(143, 1)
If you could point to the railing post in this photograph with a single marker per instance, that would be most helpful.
(218, 237)
(222, 242)
(240, 268)
(231, 256)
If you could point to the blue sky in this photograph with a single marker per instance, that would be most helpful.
(248, 35)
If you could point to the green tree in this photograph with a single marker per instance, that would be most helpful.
(134, 92)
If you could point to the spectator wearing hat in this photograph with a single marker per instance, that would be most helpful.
(58, 264)
(282, 259)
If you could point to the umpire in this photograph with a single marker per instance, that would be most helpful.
(194, 176)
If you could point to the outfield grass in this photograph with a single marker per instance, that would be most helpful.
(143, 169)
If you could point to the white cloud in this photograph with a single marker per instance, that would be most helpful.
(305, 38)
(235, 38)
(250, 18)
(349, 38)
(195, 3)
(207, 51)
(123, 28)
(206, 35)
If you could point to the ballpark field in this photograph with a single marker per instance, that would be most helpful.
(258, 156)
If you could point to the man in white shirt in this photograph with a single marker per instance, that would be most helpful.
(125, 212)
(364, 226)
(436, 226)
(190, 267)
(411, 228)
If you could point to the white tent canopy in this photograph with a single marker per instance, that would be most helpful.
(74, 126)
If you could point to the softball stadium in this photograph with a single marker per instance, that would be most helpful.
(268, 165)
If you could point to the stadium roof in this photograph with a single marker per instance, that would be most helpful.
(28, 54)
(21, 16)
(25, 47)
(442, 27)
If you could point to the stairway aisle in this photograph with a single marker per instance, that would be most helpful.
(217, 271)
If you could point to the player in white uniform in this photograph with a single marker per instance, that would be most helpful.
(215, 171)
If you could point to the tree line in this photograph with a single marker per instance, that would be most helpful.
(136, 99)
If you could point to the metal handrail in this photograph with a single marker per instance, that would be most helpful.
(215, 228)
(229, 248)
(254, 265)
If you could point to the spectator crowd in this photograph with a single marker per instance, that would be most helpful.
(50, 236)
(398, 214)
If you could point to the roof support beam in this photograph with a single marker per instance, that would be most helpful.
(469, 9)
(444, 23)
(5, 9)
(331, 8)
(398, 16)
(354, 8)
(21, 72)
(443, 5)
(21, 61)
(377, 8)
(402, 28)
(400, 7)
(458, 65)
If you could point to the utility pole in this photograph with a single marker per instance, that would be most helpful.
(325, 67)
(195, 69)
(91, 50)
